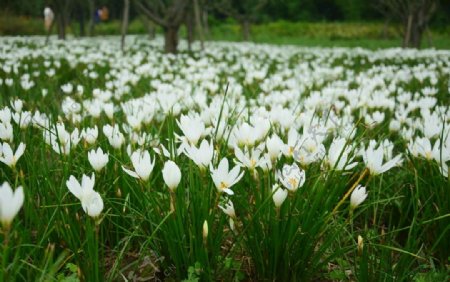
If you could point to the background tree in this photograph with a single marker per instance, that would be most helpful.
(91, 12)
(190, 26)
(198, 12)
(169, 14)
(125, 19)
(243, 11)
(62, 16)
(415, 16)
(149, 26)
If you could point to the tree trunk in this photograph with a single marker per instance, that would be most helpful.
(126, 12)
(149, 26)
(384, 33)
(61, 25)
(81, 21)
(65, 15)
(198, 22)
(171, 39)
(190, 31)
(416, 36)
(413, 31)
(429, 38)
(91, 17)
(245, 26)
(205, 22)
(407, 33)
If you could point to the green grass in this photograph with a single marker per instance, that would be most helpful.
(404, 222)
(370, 35)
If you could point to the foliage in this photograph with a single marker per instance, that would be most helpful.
(229, 94)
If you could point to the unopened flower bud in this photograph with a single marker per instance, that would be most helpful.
(360, 245)
(205, 230)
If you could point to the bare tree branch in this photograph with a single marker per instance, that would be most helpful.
(149, 13)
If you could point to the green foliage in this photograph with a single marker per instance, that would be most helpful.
(71, 276)
(13, 25)
(404, 223)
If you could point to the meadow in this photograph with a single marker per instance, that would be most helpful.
(239, 162)
(370, 35)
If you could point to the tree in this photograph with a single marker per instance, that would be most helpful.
(244, 11)
(149, 26)
(91, 9)
(198, 22)
(62, 11)
(169, 14)
(190, 28)
(126, 14)
(414, 15)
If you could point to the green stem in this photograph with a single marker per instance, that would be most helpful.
(92, 250)
(5, 255)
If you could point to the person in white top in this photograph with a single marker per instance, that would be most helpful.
(48, 18)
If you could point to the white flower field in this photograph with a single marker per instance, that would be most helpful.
(239, 162)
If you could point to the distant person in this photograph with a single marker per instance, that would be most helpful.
(104, 15)
(48, 18)
(97, 15)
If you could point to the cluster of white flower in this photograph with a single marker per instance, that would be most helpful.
(297, 106)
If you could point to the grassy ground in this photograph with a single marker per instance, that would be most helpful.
(146, 230)
(367, 35)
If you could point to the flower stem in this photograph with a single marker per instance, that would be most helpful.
(363, 174)
(5, 254)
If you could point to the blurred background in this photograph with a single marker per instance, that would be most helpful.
(365, 23)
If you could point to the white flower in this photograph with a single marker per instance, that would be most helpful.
(193, 128)
(171, 174)
(374, 119)
(115, 137)
(394, 125)
(229, 209)
(91, 201)
(311, 150)
(373, 158)
(432, 125)
(224, 179)
(441, 154)
(245, 135)
(358, 196)
(279, 195)
(201, 156)
(90, 135)
(248, 158)
(422, 147)
(98, 159)
(75, 137)
(17, 105)
(23, 119)
(265, 163)
(5, 115)
(10, 203)
(338, 155)
(293, 142)
(292, 177)
(6, 132)
(274, 147)
(108, 108)
(67, 88)
(142, 164)
(8, 157)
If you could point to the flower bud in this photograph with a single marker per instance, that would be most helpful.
(360, 245)
(205, 230)
(279, 195)
(357, 197)
(171, 174)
